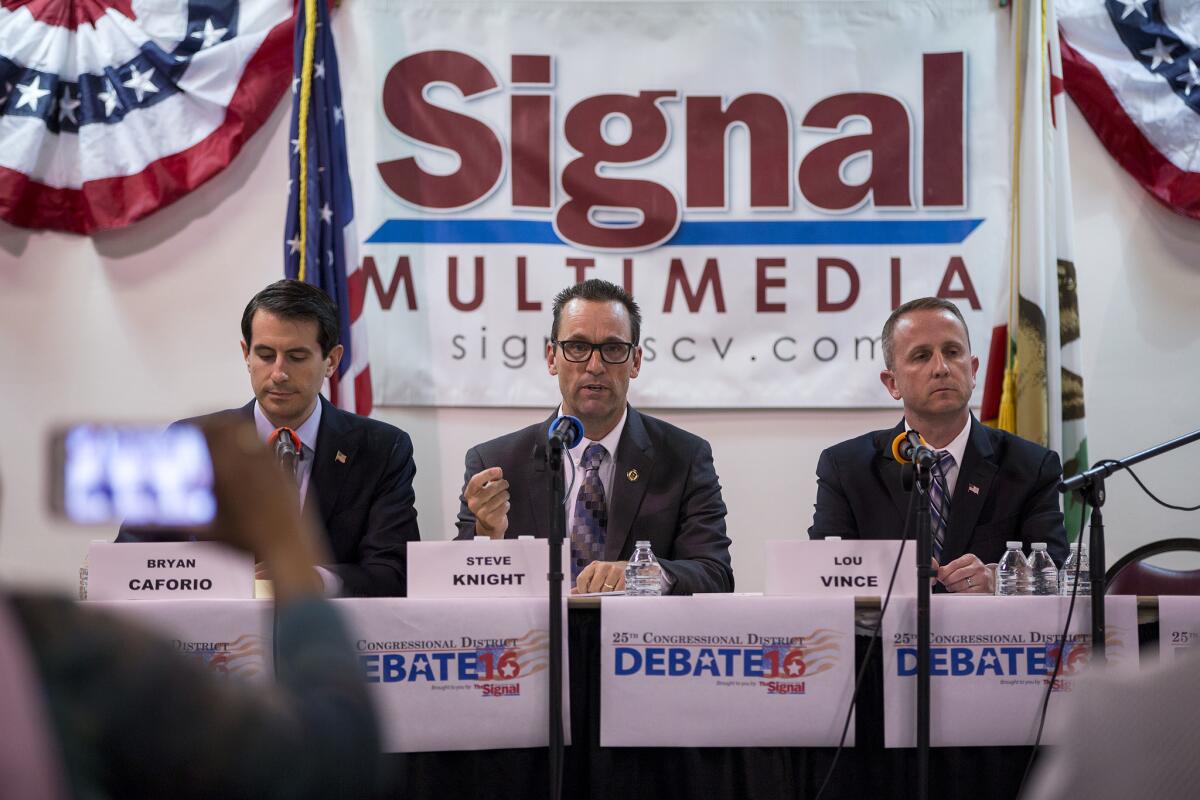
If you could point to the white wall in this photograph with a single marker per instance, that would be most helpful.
(143, 324)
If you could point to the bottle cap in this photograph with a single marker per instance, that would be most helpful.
(833, 538)
(1039, 545)
(643, 542)
(1013, 545)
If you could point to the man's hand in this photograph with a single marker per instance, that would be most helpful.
(601, 576)
(967, 574)
(488, 499)
(258, 510)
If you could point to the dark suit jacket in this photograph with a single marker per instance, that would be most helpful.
(674, 502)
(859, 494)
(365, 499)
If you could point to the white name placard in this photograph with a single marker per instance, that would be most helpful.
(232, 638)
(990, 660)
(1178, 627)
(169, 570)
(457, 674)
(725, 671)
(481, 568)
(840, 567)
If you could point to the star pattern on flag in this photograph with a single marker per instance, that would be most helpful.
(1134, 5)
(1160, 53)
(210, 34)
(1190, 79)
(109, 98)
(67, 106)
(142, 83)
(31, 93)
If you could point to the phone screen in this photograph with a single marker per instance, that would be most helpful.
(140, 475)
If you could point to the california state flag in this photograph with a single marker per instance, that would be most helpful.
(1033, 386)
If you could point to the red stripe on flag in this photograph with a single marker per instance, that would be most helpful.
(1177, 189)
(362, 392)
(356, 287)
(993, 379)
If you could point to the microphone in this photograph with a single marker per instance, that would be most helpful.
(566, 431)
(910, 446)
(286, 443)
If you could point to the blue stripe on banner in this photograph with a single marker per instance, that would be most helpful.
(793, 232)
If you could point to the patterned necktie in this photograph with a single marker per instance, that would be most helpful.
(939, 501)
(590, 519)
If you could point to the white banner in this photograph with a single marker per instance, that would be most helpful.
(768, 179)
(1178, 626)
(469, 674)
(725, 671)
(990, 659)
(232, 638)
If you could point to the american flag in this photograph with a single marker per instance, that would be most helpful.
(110, 112)
(320, 243)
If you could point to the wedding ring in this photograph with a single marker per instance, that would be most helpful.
(969, 583)
(610, 586)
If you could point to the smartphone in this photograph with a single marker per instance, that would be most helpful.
(136, 474)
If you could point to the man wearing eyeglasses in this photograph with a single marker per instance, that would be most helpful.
(635, 477)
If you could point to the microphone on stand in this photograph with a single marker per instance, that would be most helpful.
(910, 447)
(286, 444)
(566, 431)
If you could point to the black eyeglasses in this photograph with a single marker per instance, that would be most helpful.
(580, 351)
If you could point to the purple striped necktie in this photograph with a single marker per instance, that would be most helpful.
(939, 501)
(589, 522)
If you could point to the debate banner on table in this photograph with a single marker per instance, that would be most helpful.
(231, 638)
(457, 674)
(990, 659)
(768, 179)
(724, 671)
(1178, 627)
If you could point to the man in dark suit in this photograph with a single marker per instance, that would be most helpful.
(356, 472)
(989, 487)
(636, 477)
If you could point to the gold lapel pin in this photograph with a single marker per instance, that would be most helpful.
(632, 475)
(340, 457)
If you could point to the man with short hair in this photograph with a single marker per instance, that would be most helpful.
(635, 477)
(988, 486)
(356, 471)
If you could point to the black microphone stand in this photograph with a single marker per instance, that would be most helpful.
(925, 573)
(1090, 487)
(554, 460)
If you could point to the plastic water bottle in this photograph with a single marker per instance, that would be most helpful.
(643, 573)
(1066, 582)
(1012, 573)
(1042, 572)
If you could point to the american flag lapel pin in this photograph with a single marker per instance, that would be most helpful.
(341, 459)
(972, 488)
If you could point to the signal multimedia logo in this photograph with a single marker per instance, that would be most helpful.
(779, 664)
(492, 666)
(914, 161)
